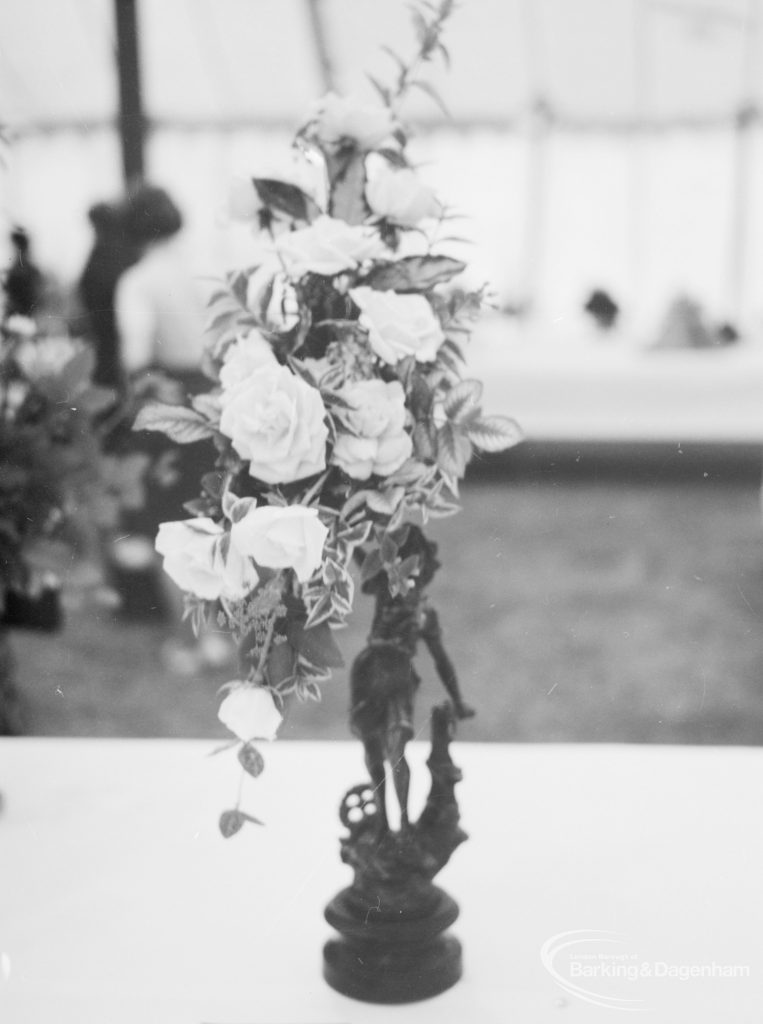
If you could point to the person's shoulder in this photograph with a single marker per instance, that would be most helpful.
(134, 282)
(165, 260)
(150, 265)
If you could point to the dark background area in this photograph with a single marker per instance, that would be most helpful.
(587, 594)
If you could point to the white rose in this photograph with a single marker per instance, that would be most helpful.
(398, 325)
(250, 712)
(239, 574)
(189, 548)
(271, 297)
(193, 558)
(400, 197)
(280, 537)
(276, 422)
(328, 246)
(341, 119)
(21, 325)
(378, 442)
(248, 353)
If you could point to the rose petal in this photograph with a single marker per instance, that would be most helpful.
(250, 713)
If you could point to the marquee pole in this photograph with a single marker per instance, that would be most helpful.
(132, 127)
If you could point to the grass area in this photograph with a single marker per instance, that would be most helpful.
(609, 611)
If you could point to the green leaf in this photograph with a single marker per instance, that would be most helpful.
(212, 483)
(400, 137)
(341, 603)
(300, 370)
(218, 295)
(396, 157)
(413, 273)
(448, 360)
(222, 747)
(319, 612)
(224, 544)
(453, 451)
(198, 506)
(383, 91)
(230, 822)
(401, 576)
(388, 549)
(432, 93)
(286, 198)
(339, 330)
(372, 565)
(207, 405)
(411, 472)
(347, 179)
(420, 396)
(236, 508)
(221, 319)
(251, 760)
(385, 502)
(179, 424)
(423, 441)
(353, 505)
(316, 645)
(395, 57)
(462, 399)
(451, 346)
(280, 664)
(239, 285)
(420, 27)
(233, 821)
(96, 399)
(308, 690)
(263, 298)
(495, 433)
(355, 535)
(77, 372)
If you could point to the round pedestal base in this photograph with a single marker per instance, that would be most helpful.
(393, 947)
(387, 975)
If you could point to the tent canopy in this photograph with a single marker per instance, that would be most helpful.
(604, 63)
(560, 196)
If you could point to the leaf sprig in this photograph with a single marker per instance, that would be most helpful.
(429, 22)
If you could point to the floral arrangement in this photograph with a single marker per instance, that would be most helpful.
(338, 412)
(49, 448)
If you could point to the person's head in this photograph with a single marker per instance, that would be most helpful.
(105, 218)
(150, 215)
(603, 308)
(20, 240)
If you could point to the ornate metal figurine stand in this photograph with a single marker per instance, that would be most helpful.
(392, 919)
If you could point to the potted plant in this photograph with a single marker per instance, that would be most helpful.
(49, 473)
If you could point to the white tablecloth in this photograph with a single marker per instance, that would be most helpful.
(609, 391)
(120, 902)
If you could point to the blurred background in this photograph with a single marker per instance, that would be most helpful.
(605, 580)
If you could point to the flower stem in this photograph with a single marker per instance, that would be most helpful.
(267, 643)
(428, 43)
